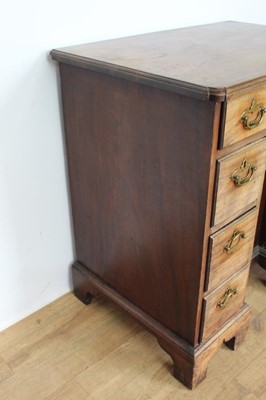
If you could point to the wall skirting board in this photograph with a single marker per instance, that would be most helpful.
(259, 252)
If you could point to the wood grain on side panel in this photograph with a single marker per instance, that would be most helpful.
(139, 177)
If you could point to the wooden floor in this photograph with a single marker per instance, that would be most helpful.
(68, 351)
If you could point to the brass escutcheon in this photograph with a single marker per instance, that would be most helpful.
(233, 243)
(241, 181)
(254, 108)
(227, 297)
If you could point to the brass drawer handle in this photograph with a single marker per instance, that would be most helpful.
(240, 181)
(254, 108)
(227, 297)
(236, 237)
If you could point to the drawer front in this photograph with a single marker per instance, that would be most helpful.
(239, 182)
(223, 303)
(245, 116)
(230, 249)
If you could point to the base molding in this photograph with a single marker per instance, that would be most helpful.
(193, 370)
(190, 362)
(86, 283)
(259, 252)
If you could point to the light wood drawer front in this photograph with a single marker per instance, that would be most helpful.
(233, 200)
(235, 130)
(231, 248)
(232, 294)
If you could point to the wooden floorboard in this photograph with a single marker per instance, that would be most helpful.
(69, 351)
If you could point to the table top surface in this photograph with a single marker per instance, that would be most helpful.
(208, 58)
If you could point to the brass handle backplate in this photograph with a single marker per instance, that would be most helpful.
(233, 243)
(245, 166)
(227, 297)
(259, 109)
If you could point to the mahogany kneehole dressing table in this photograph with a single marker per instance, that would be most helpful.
(166, 150)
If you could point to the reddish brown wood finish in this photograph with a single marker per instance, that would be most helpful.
(231, 200)
(143, 119)
(214, 316)
(221, 264)
(190, 362)
(193, 370)
(139, 185)
(236, 105)
(190, 61)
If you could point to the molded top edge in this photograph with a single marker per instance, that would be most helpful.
(206, 61)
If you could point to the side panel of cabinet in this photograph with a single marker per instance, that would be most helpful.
(139, 165)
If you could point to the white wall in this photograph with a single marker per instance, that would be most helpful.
(36, 247)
